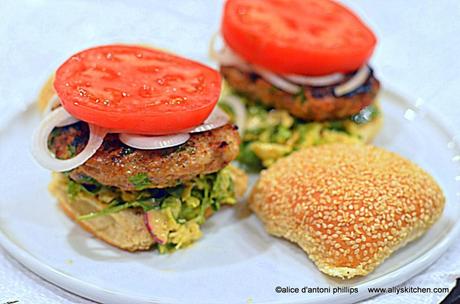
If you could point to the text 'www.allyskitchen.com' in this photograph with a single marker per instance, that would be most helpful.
(353, 290)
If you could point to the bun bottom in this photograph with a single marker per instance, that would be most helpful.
(125, 229)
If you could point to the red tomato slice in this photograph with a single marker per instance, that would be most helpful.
(136, 89)
(309, 37)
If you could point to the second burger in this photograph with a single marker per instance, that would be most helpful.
(299, 71)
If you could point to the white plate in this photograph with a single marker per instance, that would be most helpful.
(236, 261)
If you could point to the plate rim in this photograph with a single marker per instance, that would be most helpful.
(95, 293)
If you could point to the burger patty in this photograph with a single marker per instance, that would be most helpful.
(118, 165)
(311, 103)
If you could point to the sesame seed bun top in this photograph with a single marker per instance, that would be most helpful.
(348, 206)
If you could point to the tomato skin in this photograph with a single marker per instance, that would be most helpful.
(137, 90)
(307, 37)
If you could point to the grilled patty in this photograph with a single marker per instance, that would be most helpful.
(115, 164)
(311, 103)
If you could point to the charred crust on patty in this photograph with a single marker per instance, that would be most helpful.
(223, 144)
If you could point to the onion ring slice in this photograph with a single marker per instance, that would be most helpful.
(319, 81)
(217, 119)
(145, 142)
(40, 142)
(51, 103)
(355, 82)
(278, 81)
(55, 101)
(226, 56)
(290, 82)
(240, 111)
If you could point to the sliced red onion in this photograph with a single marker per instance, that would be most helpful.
(146, 142)
(217, 119)
(354, 82)
(40, 142)
(51, 103)
(240, 111)
(156, 224)
(225, 56)
(213, 52)
(68, 121)
(316, 81)
(277, 81)
(55, 101)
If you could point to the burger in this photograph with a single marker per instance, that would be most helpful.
(348, 206)
(298, 72)
(140, 154)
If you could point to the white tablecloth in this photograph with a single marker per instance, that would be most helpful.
(417, 53)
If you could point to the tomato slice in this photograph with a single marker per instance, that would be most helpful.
(137, 89)
(308, 37)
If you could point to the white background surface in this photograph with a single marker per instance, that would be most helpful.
(417, 53)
